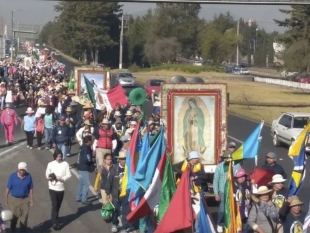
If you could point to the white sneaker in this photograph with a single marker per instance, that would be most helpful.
(219, 229)
(27, 146)
(114, 229)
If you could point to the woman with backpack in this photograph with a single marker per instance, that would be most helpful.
(263, 215)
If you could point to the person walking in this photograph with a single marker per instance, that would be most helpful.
(20, 186)
(60, 136)
(57, 173)
(113, 190)
(49, 121)
(8, 120)
(39, 130)
(219, 181)
(84, 164)
(28, 125)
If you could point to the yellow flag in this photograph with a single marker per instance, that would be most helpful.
(124, 183)
(295, 148)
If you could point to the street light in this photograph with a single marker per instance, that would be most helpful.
(13, 34)
(257, 29)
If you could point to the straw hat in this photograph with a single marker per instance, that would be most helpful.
(277, 179)
(68, 109)
(150, 122)
(63, 97)
(41, 103)
(133, 123)
(295, 201)
(29, 110)
(105, 121)
(76, 99)
(71, 92)
(117, 113)
(88, 105)
(121, 155)
(128, 113)
(2, 83)
(65, 84)
(262, 190)
(87, 122)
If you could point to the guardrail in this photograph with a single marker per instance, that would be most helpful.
(285, 83)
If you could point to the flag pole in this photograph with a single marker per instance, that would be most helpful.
(190, 201)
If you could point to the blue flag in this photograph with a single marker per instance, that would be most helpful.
(147, 166)
(205, 224)
(145, 147)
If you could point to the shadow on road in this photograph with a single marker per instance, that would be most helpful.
(64, 221)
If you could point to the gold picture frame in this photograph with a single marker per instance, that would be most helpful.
(195, 118)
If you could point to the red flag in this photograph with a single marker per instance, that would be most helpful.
(262, 176)
(180, 214)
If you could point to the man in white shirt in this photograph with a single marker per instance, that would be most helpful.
(57, 172)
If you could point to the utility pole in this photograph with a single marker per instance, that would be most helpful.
(12, 37)
(237, 58)
(124, 18)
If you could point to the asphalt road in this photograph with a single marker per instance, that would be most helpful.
(78, 218)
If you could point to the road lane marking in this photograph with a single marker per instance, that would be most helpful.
(12, 148)
(235, 139)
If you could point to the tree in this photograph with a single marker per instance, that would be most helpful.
(162, 51)
(297, 56)
(217, 46)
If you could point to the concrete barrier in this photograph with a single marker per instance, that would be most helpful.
(285, 83)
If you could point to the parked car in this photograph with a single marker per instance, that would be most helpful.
(151, 86)
(125, 79)
(287, 128)
(197, 63)
(302, 78)
(244, 71)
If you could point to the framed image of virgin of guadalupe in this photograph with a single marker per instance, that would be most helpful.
(98, 76)
(196, 120)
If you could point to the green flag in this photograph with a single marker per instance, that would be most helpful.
(90, 90)
(71, 83)
(168, 188)
(34, 53)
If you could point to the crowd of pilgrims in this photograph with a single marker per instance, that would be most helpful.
(53, 108)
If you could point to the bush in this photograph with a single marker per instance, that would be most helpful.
(183, 68)
(134, 68)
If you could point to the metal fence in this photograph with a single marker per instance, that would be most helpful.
(283, 83)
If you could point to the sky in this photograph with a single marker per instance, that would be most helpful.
(36, 12)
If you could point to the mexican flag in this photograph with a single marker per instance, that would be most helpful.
(151, 197)
(232, 218)
(107, 98)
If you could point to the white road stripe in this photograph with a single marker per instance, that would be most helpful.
(12, 148)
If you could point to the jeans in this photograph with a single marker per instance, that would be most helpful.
(63, 148)
(56, 199)
(220, 215)
(48, 136)
(84, 182)
(121, 208)
(29, 136)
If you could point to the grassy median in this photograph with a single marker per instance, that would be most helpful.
(252, 100)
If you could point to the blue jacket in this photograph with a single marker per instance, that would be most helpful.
(84, 161)
(61, 134)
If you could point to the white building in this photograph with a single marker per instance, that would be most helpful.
(278, 52)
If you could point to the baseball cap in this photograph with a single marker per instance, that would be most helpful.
(62, 118)
(232, 144)
(193, 155)
(272, 155)
(22, 166)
